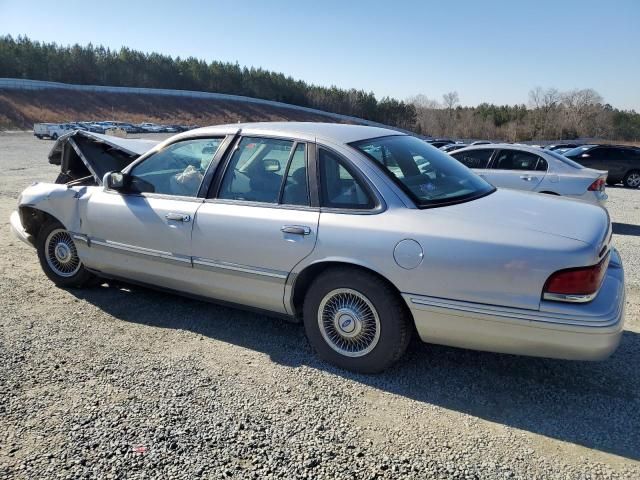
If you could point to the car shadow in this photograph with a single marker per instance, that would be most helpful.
(626, 229)
(593, 404)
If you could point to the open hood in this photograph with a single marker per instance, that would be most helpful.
(88, 156)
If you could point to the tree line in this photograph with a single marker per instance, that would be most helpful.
(90, 65)
(549, 113)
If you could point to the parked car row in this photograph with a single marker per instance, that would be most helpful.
(363, 234)
(619, 163)
(533, 169)
(55, 130)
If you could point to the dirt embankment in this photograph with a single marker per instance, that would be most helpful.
(21, 109)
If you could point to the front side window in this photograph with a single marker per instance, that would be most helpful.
(339, 188)
(515, 160)
(177, 169)
(256, 170)
(474, 158)
(296, 188)
(428, 175)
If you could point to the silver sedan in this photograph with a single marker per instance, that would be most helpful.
(364, 234)
(522, 167)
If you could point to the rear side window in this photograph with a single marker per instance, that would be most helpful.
(339, 187)
(474, 158)
(515, 160)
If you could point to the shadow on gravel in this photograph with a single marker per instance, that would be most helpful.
(626, 229)
(596, 405)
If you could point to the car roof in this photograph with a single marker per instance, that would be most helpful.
(334, 132)
(511, 146)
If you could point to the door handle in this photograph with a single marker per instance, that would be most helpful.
(178, 217)
(528, 178)
(296, 229)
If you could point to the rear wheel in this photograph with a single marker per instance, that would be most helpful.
(632, 179)
(54, 136)
(59, 257)
(355, 320)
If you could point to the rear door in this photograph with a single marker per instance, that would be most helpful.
(257, 224)
(516, 169)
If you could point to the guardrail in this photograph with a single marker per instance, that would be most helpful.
(25, 84)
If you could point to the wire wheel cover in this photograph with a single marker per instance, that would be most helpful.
(349, 322)
(61, 254)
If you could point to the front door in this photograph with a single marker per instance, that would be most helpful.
(144, 233)
(260, 224)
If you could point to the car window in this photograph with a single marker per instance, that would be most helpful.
(296, 188)
(542, 165)
(515, 160)
(427, 175)
(256, 170)
(563, 159)
(576, 152)
(177, 169)
(474, 158)
(338, 186)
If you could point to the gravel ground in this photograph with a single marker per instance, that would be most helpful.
(124, 382)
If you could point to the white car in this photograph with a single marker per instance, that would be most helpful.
(51, 130)
(522, 167)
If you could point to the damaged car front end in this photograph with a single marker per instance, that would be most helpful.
(85, 157)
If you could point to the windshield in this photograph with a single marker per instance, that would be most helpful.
(574, 152)
(563, 159)
(429, 176)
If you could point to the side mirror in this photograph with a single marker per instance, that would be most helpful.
(114, 181)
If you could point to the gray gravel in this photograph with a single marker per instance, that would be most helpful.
(124, 382)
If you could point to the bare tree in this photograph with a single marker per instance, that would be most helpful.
(544, 103)
(450, 100)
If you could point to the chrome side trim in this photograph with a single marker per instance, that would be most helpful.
(559, 297)
(81, 237)
(506, 314)
(146, 252)
(218, 265)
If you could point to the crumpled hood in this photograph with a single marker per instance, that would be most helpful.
(537, 212)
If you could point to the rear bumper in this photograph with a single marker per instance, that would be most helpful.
(598, 198)
(588, 331)
(18, 230)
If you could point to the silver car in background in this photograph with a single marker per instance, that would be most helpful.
(364, 234)
(533, 169)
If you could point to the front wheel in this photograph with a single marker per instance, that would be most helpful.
(356, 320)
(632, 179)
(59, 257)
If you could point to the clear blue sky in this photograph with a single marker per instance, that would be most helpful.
(493, 51)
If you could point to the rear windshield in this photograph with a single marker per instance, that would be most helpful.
(563, 159)
(428, 175)
(574, 152)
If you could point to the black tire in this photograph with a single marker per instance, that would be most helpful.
(632, 179)
(54, 136)
(393, 319)
(75, 276)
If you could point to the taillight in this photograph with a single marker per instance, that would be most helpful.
(597, 186)
(576, 284)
